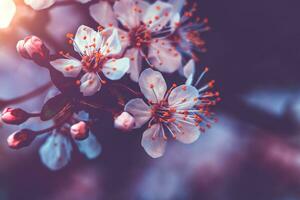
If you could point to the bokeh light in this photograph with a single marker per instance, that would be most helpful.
(7, 12)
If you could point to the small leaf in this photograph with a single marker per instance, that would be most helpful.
(55, 106)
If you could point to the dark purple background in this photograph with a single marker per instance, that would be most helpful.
(253, 44)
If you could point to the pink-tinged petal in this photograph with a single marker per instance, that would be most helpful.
(139, 110)
(112, 46)
(123, 36)
(183, 97)
(153, 142)
(128, 13)
(39, 4)
(164, 56)
(158, 15)
(55, 153)
(153, 85)
(143, 6)
(69, 67)
(115, 69)
(87, 40)
(102, 13)
(189, 72)
(90, 84)
(186, 131)
(135, 63)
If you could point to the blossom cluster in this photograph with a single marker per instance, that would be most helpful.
(135, 37)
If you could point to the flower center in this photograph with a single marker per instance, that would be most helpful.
(162, 113)
(93, 63)
(140, 36)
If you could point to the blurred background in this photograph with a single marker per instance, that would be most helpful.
(253, 152)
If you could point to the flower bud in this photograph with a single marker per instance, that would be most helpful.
(79, 131)
(14, 116)
(32, 47)
(21, 139)
(124, 122)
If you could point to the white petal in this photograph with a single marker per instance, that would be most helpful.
(177, 5)
(139, 110)
(187, 133)
(83, 1)
(87, 40)
(153, 85)
(164, 56)
(115, 69)
(159, 14)
(69, 67)
(90, 147)
(39, 4)
(183, 97)
(175, 20)
(189, 72)
(154, 146)
(135, 63)
(112, 46)
(102, 13)
(55, 153)
(127, 13)
(90, 84)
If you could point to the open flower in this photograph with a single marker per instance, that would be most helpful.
(187, 29)
(144, 29)
(44, 4)
(177, 112)
(97, 51)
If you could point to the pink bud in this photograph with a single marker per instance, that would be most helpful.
(79, 131)
(124, 122)
(21, 139)
(32, 47)
(14, 116)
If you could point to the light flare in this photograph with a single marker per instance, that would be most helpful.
(7, 12)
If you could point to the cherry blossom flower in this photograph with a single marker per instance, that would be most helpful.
(55, 153)
(180, 112)
(144, 29)
(187, 29)
(97, 51)
(44, 4)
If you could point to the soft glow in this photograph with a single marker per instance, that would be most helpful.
(7, 12)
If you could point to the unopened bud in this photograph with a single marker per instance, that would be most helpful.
(14, 116)
(124, 122)
(21, 139)
(79, 131)
(33, 48)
